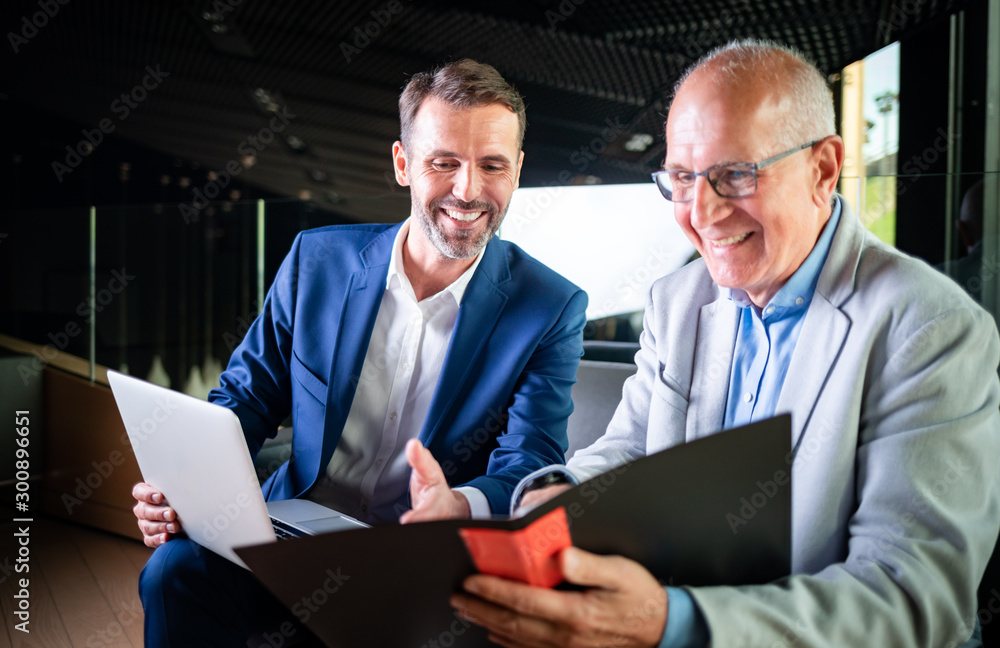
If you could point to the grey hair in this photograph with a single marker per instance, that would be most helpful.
(733, 63)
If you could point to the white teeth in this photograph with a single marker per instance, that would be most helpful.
(462, 216)
(730, 241)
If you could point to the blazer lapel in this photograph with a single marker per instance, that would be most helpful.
(713, 360)
(354, 331)
(477, 316)
(820, 340)
(825, 328)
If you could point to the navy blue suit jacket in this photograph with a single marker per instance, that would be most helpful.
(503, 397)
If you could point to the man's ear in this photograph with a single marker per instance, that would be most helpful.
(829, 156)
(517, 176)
(399, 164)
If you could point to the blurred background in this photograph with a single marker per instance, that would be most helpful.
(182, 144)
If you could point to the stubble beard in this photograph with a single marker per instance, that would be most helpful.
(462, 244)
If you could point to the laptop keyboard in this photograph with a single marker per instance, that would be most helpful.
(284, 531)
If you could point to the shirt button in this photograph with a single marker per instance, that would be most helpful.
(406, 366)
(392, 417)
(748, 397)
(798, 301)
(378, 464)
(770, 309)
(364, 508)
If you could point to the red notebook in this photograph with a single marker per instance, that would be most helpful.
(529, 555)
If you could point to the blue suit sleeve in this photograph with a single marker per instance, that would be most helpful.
(256, 382)
(539, 408)
(686, 627)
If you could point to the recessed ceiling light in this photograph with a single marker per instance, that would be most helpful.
(639, 142)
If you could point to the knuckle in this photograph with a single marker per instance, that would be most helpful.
(525, 603)
(510, 623)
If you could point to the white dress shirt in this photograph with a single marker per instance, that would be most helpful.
(368, 476)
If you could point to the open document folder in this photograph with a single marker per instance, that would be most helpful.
(715, 511)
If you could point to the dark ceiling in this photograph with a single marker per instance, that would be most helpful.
(214, 71)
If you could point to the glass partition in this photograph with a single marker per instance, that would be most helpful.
(174, 295)
(45, 277)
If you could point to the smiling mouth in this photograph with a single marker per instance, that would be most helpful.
(732, 240)
(462, 217)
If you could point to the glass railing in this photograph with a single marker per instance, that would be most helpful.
(142, 289)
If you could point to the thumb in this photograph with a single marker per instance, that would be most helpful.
(590, 570)
(423, 463)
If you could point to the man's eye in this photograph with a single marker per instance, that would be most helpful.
(683, 178)
(493, 168)
(443, 166)
(735, 176)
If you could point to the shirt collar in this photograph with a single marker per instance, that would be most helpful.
(799, 289)
(456, 288)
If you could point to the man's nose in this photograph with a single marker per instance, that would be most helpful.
(707, 207)
(468, 183)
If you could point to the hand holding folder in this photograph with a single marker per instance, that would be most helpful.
(667, 512)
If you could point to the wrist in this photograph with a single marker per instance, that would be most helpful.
(543, 478)
(461, 509)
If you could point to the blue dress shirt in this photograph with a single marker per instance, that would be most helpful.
(766, 337)
(765, 340)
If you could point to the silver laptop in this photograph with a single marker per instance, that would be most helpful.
(194, 452)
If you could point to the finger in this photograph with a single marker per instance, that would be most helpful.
(145, 511)
(538, 602)
(155, 541)
(590, 570)
(506, 627)
(423, 463)
(413, 515)
(150, 529)
(424, 510)
(146, 493)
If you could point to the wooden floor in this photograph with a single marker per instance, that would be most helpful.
(82, 587)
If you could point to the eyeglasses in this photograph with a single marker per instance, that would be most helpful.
(728, 180)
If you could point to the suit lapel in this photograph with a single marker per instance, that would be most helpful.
(354, 331)
(713, 360)
(820, 340)
(481, 307)
(825, 328)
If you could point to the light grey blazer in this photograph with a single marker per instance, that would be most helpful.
(894, 398)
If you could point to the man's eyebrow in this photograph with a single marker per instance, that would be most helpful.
(495, 158)
(676, 167)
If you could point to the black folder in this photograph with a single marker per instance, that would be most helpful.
(714, 511)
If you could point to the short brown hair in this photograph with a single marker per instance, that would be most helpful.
(462, 84)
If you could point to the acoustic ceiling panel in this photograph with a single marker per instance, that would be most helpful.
(587, 68)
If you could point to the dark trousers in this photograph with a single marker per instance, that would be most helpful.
(194, 597)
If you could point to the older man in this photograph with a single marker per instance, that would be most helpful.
(887, 367)
(380, 340)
